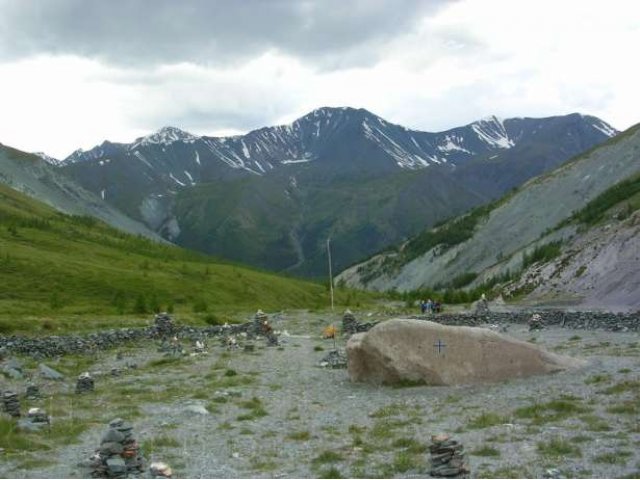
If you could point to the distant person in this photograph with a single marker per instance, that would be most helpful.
(423, 306)
(429, 306)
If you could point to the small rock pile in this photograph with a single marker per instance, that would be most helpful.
(535, 322)
(118, 455)
(447, 458)
(349, 322)
(11, 403)
(85, 383)
(32, 393)
(350, 325)
(36, 419)
(334, 359)
(164, 324)
(259, 320)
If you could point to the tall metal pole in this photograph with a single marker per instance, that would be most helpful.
(330, 274)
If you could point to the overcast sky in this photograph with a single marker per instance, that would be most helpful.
(76, 72)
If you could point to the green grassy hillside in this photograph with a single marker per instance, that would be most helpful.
(70, 272)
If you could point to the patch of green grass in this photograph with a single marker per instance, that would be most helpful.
(581, 439)
(618, 457)
(384, 428)
(593, 423)
(255, 407)
(622, 387)
(261, 464)
(388, 411)
(559, 447)
(318, 348)
(485, 420)
(626, 408)
(597, 379)
(486, 451)
(327, 456)
(35, 462)
(410, 444)
(552, 411)
(163, 362)
(405, 461)
(230, 373)
(625, 370)
(331, 472)
(356, 429)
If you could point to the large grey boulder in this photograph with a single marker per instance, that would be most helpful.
(418, 351)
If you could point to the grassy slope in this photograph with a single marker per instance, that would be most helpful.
(75, 272)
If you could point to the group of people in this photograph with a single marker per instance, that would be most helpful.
(430, 306)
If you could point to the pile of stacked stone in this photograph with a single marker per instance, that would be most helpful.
(350, 325)
(85, 383)
(447, 458)
(119, 453)
(11, 403)
(261, 327)
(257, 327)
(36, 419)
(482, 305)
(334, 359)
(535, 322)
(199, 347)
(164, 325)
(32, 393)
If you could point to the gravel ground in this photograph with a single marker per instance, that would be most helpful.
(286, 417)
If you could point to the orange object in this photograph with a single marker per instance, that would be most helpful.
(329, 332)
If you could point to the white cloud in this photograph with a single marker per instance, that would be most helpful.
(466, 61)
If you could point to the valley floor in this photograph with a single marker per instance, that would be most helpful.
(275, 413)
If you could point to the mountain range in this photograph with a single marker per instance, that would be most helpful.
(272, 197)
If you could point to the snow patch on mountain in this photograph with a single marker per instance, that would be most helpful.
(165, 136)
(604, 128)
(48, 159)
(491, 130)
(453, 143)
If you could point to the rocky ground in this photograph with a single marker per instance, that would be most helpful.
(274, 413)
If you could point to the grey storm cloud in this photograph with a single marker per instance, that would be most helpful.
(207, 32)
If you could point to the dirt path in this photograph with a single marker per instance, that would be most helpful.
(274, 413)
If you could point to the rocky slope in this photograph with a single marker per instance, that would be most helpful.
(533, 216)
(597, 269)
(342, 173)
(35, 177)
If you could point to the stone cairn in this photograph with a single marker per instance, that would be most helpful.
(535, 322)
(11, 403)
(37, 418)
(482, 305)
(447, 458)
(262, 327)
(334, 359)
(32, 393)
(164, 324)
(350, 325)
(85, 383)
(118, 455)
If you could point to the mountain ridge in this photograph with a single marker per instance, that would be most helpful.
(420, 177)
